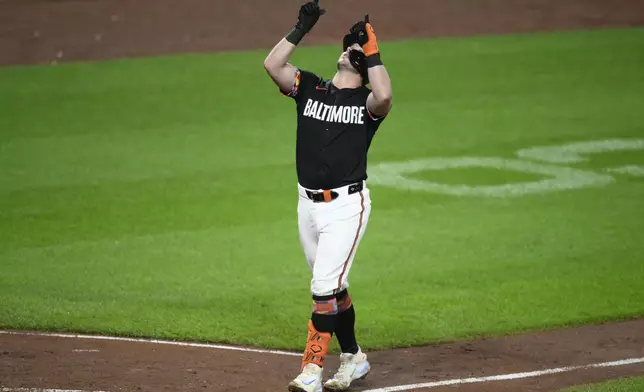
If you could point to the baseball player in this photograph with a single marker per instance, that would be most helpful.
(336, 121)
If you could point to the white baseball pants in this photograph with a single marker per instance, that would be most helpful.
(330, 233)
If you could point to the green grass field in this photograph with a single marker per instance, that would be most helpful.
(157, 197)
(630, 384)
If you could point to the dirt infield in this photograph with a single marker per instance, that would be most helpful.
(48, 31)
(69, 363)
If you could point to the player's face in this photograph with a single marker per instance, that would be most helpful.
(343, 61)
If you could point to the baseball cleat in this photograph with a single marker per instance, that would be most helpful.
(352, 367)
(310, 380)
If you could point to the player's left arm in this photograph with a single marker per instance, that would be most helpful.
(379, 101)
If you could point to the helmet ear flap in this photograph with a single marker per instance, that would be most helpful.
(349, 40)
(346, 42)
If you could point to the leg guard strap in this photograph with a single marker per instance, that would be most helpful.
(325, 305)
(344, 301)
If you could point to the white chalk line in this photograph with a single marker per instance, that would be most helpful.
(155, 341)
(470, 380)
(505, 377)
(43, 390)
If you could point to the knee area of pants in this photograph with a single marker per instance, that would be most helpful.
(322, 289)
(322, 293)
(325, 287)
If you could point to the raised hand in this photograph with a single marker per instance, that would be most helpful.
(359, 30)
(309, 15)
(371, 46)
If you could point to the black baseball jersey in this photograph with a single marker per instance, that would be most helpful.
(334, 132)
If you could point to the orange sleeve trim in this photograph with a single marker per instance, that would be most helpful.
(296, 85)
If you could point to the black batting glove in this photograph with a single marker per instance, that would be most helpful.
(309, 15)
(360, 32)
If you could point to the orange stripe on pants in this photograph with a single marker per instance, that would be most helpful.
(353, 247)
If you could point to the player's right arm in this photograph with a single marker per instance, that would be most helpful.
(276, 63)
(277, 66)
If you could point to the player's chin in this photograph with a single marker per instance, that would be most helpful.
(345, 65)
